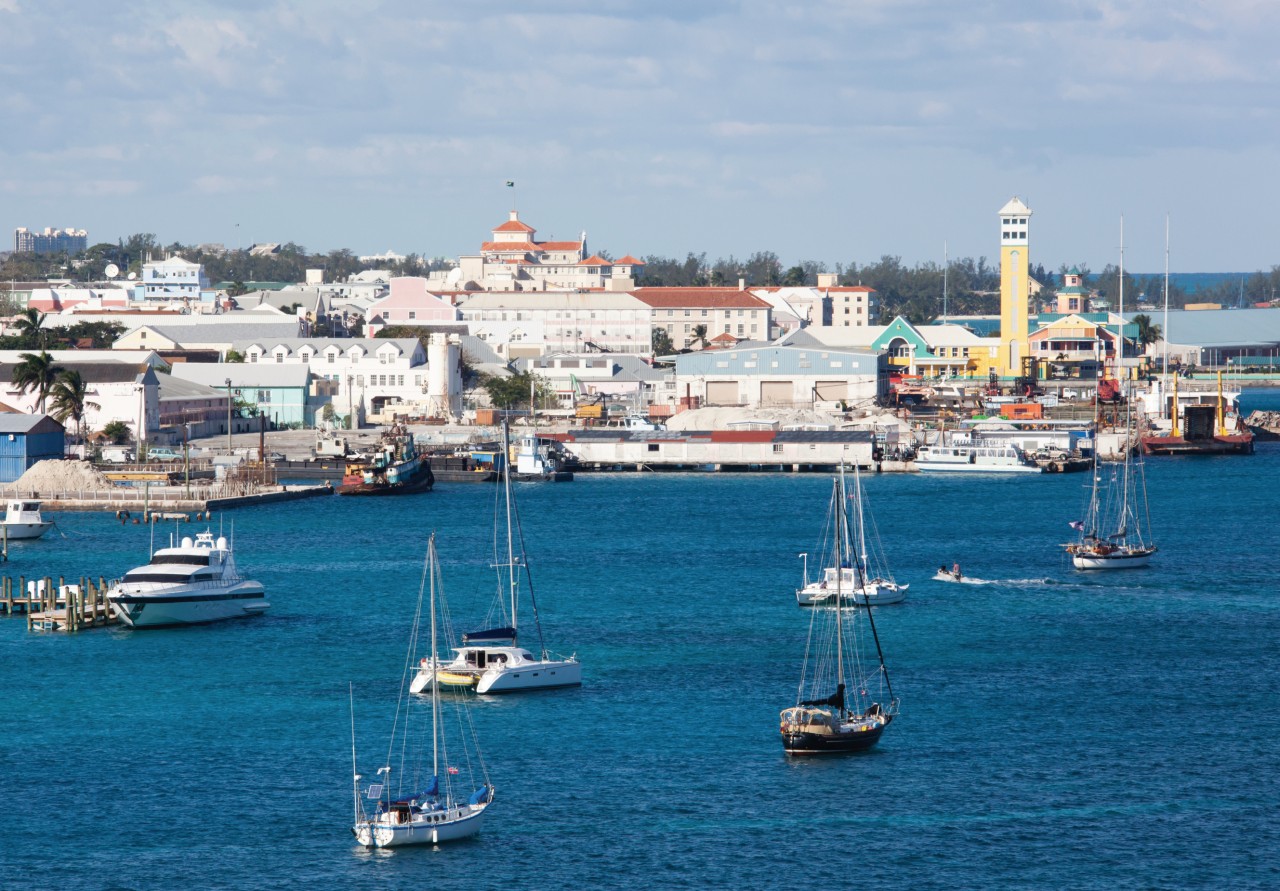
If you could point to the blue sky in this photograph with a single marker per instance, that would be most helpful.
(822, 130)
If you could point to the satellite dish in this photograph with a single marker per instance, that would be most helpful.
(454, 276)
(111, 271)
(131, 276)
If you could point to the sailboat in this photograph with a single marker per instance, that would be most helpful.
(445, 807)
(861, 574)
(492, 661)
(844, 701)
(1115, 532)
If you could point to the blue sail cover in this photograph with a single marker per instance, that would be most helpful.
(480, 796)
(432, 790)
(490, 635)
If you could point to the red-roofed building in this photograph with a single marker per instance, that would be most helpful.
(514, 260)
(679, 311)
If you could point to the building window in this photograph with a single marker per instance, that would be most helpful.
(279, 358)
(413, 314)
(264, 396)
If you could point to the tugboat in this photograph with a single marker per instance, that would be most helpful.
(394, 468)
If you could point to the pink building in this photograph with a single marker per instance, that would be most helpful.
(409, 303)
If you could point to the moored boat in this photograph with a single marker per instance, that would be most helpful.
(191, 582)
(22, 520)
(842, 705)
(394, 468)
(959, 453)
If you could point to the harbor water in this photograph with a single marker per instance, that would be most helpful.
(1058, 728)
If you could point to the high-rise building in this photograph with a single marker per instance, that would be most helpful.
(50, 241)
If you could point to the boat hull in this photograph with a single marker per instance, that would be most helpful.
(26, 531)
(956, 467)
(872, 595)
(458, 823)
(165, 609)
(1127, 559)
(805, 743)
(419, 482)
(531, 676)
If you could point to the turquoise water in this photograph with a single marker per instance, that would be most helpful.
(1058, 729)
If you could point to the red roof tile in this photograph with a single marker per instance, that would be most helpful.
(559, 245)
(629, 260)
(513, 226)
(505, 246)
(595, 260)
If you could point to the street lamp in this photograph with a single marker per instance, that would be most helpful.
(228, 416)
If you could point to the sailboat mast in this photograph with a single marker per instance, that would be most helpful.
(1164, 388)
(842, 523)
(355, 781)
(871, 622)
(435, 663)
(513, 578)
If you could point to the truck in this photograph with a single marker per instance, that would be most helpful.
(117, 454)
(330, 446)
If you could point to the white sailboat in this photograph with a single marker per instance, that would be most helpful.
(844, 700)
(858, 575)
(444, 807)
(492, 661)
(1116, 530)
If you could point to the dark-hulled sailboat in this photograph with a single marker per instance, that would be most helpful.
(844, 701)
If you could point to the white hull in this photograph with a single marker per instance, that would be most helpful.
(429, 828)
(956, 467)
(1116, 560)
(26, 531)
(531, 676)
(188, 606)
(873, 595)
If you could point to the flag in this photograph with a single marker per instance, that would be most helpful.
(1076, 524)
(511, 184)
(453, 770)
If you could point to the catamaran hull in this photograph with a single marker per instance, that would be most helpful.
(188, 608)
(531, 676)
(874, 595)
(802, 743)
(1127, 560)
(420, 832)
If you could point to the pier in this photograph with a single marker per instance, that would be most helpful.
(61, 607)
(169, 499)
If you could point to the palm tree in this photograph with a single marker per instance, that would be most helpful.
(69, 402)
(30, 326)
(36, 372)
(1147, 332)
(700, 334)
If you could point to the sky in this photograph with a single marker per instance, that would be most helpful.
(817, 129)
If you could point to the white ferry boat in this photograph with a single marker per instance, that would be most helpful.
(191, 583)
(962, 454)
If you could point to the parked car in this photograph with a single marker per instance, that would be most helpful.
(163, 455)
(117, 455)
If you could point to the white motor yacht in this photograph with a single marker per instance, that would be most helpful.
(22, 520)
(191, 583)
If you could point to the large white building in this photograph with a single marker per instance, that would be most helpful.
(174, 278)
(569, 321)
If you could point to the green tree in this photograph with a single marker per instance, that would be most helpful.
(117, 431)
(233, 356)
(662, 345)
(36, 372)
(700, 335)
(30, 327)
(69, 397)
(1147, 332)
(513, 391)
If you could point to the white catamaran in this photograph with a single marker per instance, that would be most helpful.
(492, 661)
(424, 808)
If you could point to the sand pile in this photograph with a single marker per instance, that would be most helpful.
(51, 477)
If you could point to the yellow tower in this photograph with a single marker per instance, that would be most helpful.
(1015, 286)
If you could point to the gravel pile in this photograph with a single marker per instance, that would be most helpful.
(51, 477)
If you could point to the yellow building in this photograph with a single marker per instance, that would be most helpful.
(1015, 286)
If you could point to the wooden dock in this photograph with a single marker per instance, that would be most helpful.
(60, 607)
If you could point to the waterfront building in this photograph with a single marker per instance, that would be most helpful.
(778, 376)
(934, 350)
(50, 241)
(174, 278)
(281, 392)
(190, 410)
(622, 377)
(1015, 286)
(1071, 345)
(1073, 296)
(734, 311)
(26, 439)
(514, 260)
(119, 387)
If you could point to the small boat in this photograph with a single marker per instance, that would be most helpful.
(448, 807)
(191, 582)
(394, 468)
(860, 574)
(954, 575)
(541, 459)
(960, 453)
(22, 520)
(842, 705)
(492, 661)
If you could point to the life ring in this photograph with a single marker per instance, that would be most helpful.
(1052, 468)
